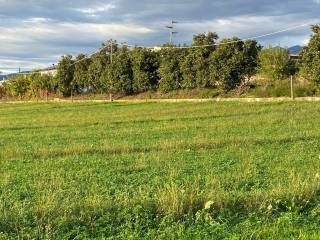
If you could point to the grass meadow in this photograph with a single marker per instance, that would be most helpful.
(160, 171)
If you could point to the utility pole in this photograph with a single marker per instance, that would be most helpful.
(291, 83)
(111, 52)
(71, 91)
(171, 31)
(111, 62)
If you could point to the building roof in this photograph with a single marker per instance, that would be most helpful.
(46, 69)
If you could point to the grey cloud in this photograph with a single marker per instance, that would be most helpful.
(46, 29)
(153, 10)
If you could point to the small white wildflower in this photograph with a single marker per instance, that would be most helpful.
(208, 205)
(270, 207)
(198, 216)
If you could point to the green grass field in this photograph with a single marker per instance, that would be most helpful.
(160, 171)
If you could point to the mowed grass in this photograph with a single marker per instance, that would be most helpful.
(160, 171)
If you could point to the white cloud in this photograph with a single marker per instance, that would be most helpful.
(93, 11)
(49, 40)
(37, 20)
(43, 30)
(250, 26)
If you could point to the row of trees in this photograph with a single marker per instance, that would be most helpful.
(34, 85)
(311, 57)
(137, 70)
(116, 69)
(275, 63)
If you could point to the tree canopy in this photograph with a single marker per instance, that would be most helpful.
(118, 69)
(311, 57)
(275, 63)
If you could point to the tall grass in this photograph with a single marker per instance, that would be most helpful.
(167, 171)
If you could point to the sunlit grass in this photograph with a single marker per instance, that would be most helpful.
(91, 170)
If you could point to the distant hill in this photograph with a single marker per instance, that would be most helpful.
(295, 49)
(6, 76)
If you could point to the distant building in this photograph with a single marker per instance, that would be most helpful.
(296, 57)
(52, 71)
(156, 49)
(4, 78)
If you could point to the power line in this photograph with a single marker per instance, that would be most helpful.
(245, 39)
(88, 56)
(201, 46)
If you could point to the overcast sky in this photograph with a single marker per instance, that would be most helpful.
(36, 33)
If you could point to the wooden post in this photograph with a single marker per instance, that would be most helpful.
(111, 62)
(291, 83)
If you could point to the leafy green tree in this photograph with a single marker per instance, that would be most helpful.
(3, 92)
(169, 70)
(205, 40)
(40, 84)
(97, 66)
(311, 57)
(18, 86)
(35, 80)
(193, 69)
(80, 77)
(275, 63)
(47, 84)
(194, 66)
(110, 46)
(251, 50)
(35, 86)
(31, 85)
(226, 64)
(97, 75)
(119, 74)
(145, 64)
(64, 76)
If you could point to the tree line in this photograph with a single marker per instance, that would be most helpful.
(117, 69)
(131, 71)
